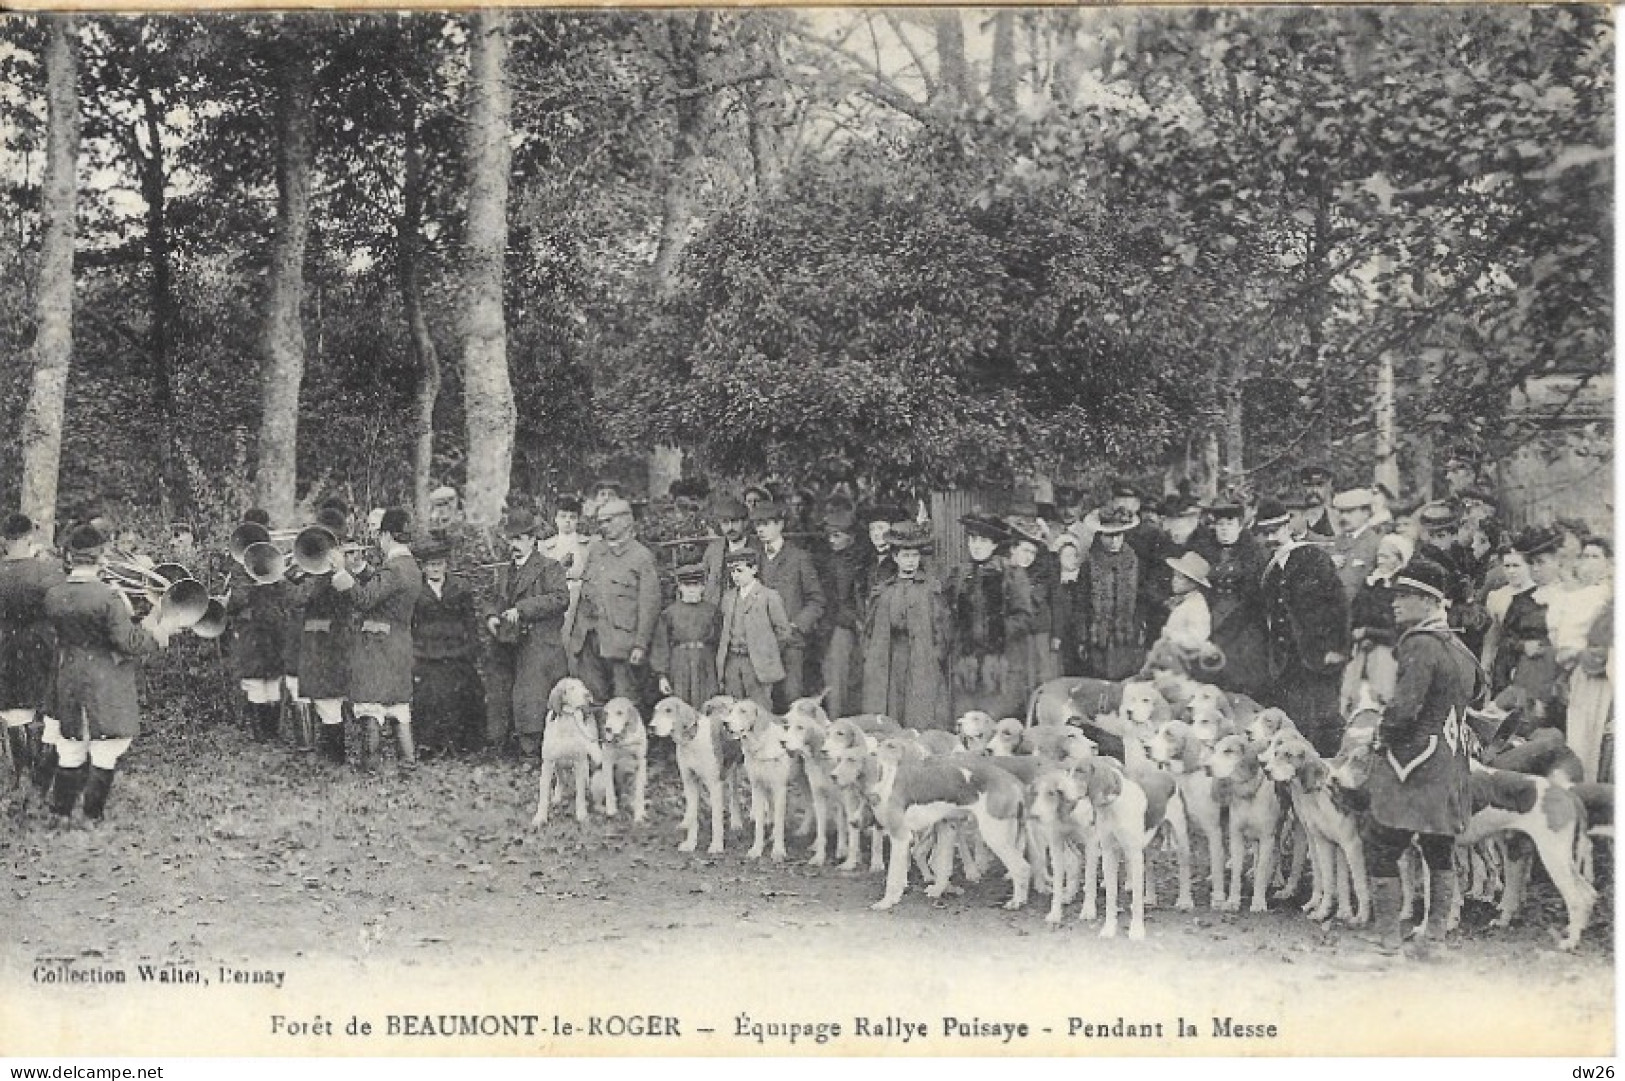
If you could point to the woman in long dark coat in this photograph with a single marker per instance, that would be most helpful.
(905, 640)
(448, 699)
(1112, 626)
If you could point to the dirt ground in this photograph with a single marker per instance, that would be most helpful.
(430, 886)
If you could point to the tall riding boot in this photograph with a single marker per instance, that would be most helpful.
(1441, 895)
(372, 740)
(44, 767)
(21, 751)
(1386, 932)
(70, 781)
(332, 741)
(100, 784)
(403, 737)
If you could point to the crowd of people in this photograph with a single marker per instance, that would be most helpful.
(1288, 599)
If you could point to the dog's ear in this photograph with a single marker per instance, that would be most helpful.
(555, 697)
(1104, 786)
(1312, 773)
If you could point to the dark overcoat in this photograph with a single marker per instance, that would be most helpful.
(540, 592)
(97, 643)
(259, 629)
(381, 651)
(793, 577)
(27, 642)
(1420, 778)
(1238, 610)
(324, 642)
(1307, 617)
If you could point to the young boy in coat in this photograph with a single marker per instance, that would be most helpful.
(755, 627)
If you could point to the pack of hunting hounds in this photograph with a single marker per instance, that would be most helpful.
(1099, 776)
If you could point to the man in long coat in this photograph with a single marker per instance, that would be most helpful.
(732, 521)
(27, 647)
(1237, 560)
(1421, 777)
(526, 617)
(840, 569)
(1306, 616)
(95, 693)
(1354, 549)
(789, 571)
(381, 651)
(610, 629)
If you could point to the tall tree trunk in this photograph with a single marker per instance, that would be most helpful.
(1235, 434)
(173, 490)
(1001, 84)
(953, 71)
(1387, 469)
(487, 391)
(424, 355)
(283, 337)
(693, 108)
(53, 293)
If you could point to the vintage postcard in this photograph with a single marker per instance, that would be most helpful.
(782, 531)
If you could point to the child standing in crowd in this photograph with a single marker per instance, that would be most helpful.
(754, 629)
(683, 651)
(1187, 635)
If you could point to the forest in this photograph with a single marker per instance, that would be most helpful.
(260, 259)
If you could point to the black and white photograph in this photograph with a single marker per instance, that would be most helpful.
(787, 531)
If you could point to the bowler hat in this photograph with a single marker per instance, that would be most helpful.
(1192, 566)
(1271, 515)
(881, 512)
(1425, 577)
(396, 522)
(519, 522)
(728, 509)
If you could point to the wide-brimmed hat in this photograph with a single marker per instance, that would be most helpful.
(1272, 514)
(1425, 577)
(1192, 566)
(1438, 515)
(518, 522)
(760, 491)
(1115, 520)
(984, 525)
(910, 535)
(1025, 529)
